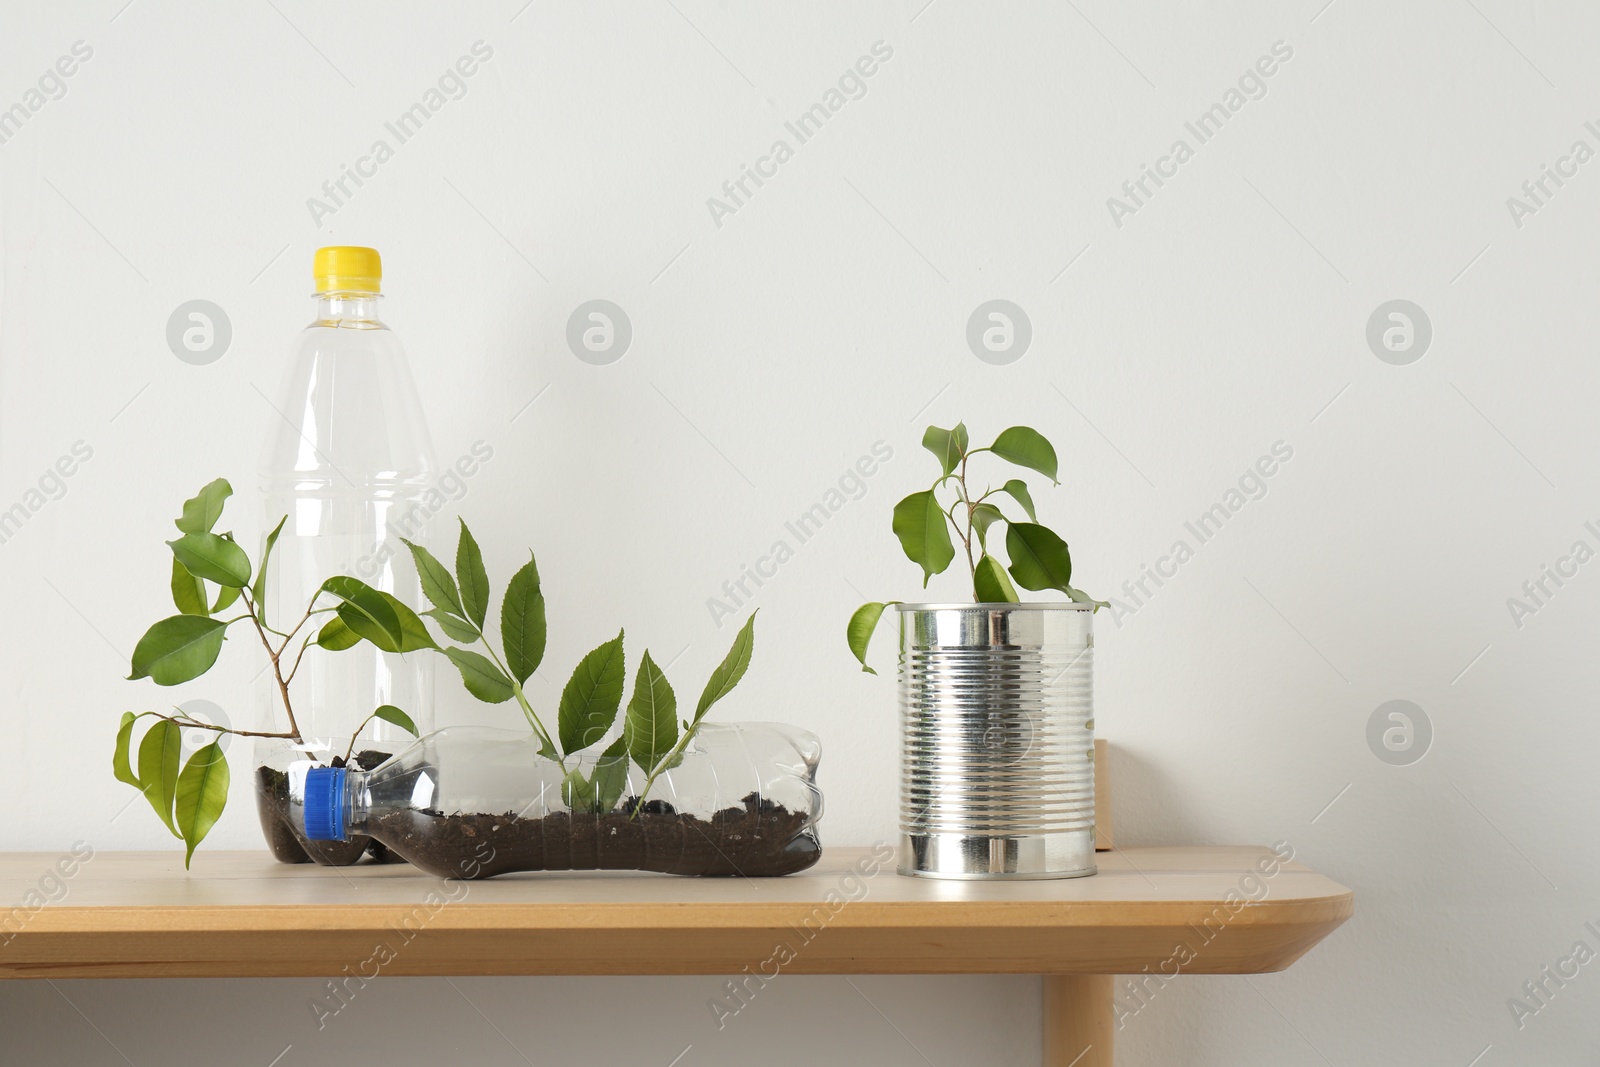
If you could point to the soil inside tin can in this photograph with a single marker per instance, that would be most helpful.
(288, 842)
(758, 839)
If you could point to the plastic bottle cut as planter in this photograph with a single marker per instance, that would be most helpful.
(472, 802)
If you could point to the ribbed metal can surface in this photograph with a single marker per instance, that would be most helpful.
(997, 740)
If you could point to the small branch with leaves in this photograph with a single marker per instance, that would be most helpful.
(190, 798)
(1038, 557)
(592, 697)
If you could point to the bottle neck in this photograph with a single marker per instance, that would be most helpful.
(357, 802)
(348, 308)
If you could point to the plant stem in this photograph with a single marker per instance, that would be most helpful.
(302, 655)
(297, 626)
(357, 734)
(277, 669)
(533, 718)
(666, 761)
(522, 699)
(966, 538)
(186, 720)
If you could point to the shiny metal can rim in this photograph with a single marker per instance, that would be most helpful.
(1037, 605)
(985, 876)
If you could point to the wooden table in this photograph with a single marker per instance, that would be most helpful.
(1150, 911)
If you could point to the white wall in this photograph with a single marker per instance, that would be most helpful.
(770, 351)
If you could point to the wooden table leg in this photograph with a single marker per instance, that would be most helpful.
(1078, 1020)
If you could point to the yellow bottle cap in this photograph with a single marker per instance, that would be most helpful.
(347, 268)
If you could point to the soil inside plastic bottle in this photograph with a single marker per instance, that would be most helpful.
(759, 838)
(289, 845)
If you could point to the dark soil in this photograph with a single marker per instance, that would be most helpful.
(286, 838)
(759, 839)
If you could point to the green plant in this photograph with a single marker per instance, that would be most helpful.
(190, 798)
(591, 698)
(1038, 556)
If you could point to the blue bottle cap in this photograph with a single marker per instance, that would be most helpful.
(325, 804)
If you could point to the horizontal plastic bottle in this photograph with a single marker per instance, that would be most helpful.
(471, 802)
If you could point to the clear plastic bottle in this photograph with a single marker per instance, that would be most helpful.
(472, 802)
(349, 461)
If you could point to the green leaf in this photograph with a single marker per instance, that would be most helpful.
(577, 792)
(481, 677)
(919, 523)
(948, 446)
(201, 511)
(437, 585)
(592, 695)
(390, 713)
(990, 584)
(456, 629)
(364, 603)
(414, 635)
(258, 592)
(1080, 597)
(983, 517)
(729, 671)
(650, 728)
(378, 617)
(522, 625)
(214, 558)
(611, 775)
(1026, 448)
(1039, 559)
(226, 595)
(201, 795)
(862, 624)
(188, 592)
(120, 765)
(158, 767)
(1019, 489)
(178, 649)
(473, 578)
(335, 636)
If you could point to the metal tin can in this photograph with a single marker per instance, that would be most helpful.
(997, 740)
